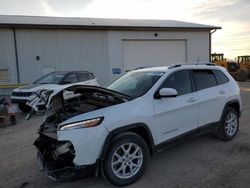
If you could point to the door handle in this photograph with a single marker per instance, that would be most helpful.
(222, 92)
(191, 100)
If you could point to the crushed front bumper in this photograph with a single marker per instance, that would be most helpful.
(55, 159)
(66, 173)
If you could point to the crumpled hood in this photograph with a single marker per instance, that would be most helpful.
(47, 96)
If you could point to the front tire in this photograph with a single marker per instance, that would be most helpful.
(126, 159)
(229, 125)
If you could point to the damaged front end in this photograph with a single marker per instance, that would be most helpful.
(56, 159)
(56, 155)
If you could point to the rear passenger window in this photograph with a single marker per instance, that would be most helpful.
(180, 81)
(71, 78)
(221, 77)
(204, 79)
(83, 77)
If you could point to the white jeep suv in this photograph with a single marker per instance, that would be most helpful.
(114, 130)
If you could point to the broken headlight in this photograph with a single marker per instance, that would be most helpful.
(82, 124)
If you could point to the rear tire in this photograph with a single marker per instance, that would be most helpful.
(126, 159)
(229, 124)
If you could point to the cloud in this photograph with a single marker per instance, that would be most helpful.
(233, 15)
(67, 7)
(140, 9)
(43, 7)
(233, 40)
(21, 7)
(25, 7)
(226, 10)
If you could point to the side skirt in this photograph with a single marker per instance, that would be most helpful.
(202, 130)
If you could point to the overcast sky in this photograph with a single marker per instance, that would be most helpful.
(232, 15)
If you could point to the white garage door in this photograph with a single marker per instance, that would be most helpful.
(140, 53)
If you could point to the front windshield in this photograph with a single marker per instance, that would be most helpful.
(51, 78)
(135, 84)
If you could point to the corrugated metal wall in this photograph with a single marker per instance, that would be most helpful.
(96, 51)
(62, 50)
(7, 55)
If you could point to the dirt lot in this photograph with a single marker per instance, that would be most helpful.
(201, 162)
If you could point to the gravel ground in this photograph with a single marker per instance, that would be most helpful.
(201, 162)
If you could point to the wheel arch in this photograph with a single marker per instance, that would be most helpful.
(138, 128)
(221, 131)
(235, 104)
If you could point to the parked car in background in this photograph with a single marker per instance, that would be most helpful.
(50, 81)
(114, 130)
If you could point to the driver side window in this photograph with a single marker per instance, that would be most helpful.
(180, 81)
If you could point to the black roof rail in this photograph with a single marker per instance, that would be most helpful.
(184, 64)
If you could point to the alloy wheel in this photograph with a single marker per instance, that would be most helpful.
(127, 160)
(231, 124)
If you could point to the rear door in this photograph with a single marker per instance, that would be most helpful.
(176, 115)
(209, 94)
(224, 88)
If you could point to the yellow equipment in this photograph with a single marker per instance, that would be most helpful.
(244, 63)
(236, 72)
(219, 60)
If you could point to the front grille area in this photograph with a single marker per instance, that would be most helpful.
(22, 94)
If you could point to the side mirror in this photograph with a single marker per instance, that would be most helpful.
(166, 92)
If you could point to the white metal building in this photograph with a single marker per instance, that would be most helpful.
(32, 46)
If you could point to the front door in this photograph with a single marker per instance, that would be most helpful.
(176, 115)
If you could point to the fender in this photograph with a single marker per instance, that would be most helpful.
(129, 128)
